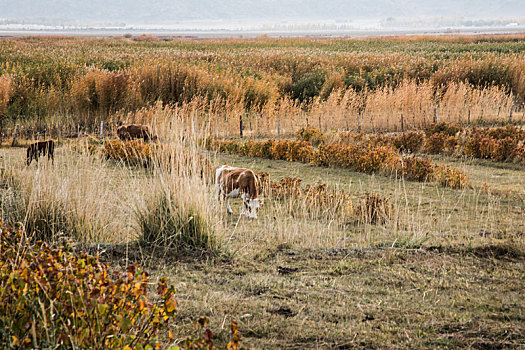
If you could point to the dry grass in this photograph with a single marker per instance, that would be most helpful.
(443, 270)
(387, 84)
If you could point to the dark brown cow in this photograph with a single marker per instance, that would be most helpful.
(135, 131)
(41, 148)
(233, 182)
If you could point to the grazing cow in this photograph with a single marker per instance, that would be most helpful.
(135, 131)
(41, 147)
(233, 182)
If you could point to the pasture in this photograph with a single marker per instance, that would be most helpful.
(360, 242)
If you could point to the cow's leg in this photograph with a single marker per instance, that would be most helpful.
(245, 210)
(51, 153)
(230, 211)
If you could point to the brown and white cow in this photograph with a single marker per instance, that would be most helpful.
(135, 131)
(231, 182)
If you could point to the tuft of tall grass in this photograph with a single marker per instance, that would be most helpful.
(175, 211)
(167, 223)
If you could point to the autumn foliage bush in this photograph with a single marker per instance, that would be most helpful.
(361, 157)
(448, 176)
(417, 169)
(138, 152)
(448, 129)
(132, 152)
(311, 135)
(410, 142)
(499, 144)
(53, 298)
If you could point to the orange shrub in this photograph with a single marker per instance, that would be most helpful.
(418, 169)
(451, 144)
(435, 143)
(367, 158)
(133, 152)
(311, 135)
(409, 142)
(450, 177)
(449, 129)
(42, 305)
(373, 159)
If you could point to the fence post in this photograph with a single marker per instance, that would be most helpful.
(435, 115)
(101, 129)
(240, 124)
(320, 122)
(359, 121)
(14, 135)
(278, 125)
(402, 122)
(511, 111)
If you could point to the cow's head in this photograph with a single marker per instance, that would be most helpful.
(251, 206)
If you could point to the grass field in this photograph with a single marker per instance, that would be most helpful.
(446, 271)
(383, 254)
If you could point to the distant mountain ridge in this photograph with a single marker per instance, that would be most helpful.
(170, 11)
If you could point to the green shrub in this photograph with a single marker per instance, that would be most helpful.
(308, 86)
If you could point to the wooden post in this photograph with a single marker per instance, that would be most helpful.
(511, 111)
(240, 124)
(101, 129)
(402, 122)
(278, 125)
(320, 122)
(435, 115)
(14, 135)
(359, 121)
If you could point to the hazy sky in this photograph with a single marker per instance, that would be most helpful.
(173, 11)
